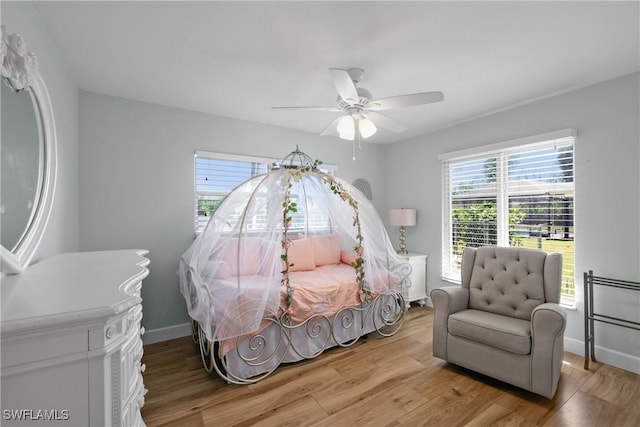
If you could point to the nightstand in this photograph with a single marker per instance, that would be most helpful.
(418, 290)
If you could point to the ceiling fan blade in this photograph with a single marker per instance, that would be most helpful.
(332, 109)
(405, 100)
(332, 129)
(386, 122)
(344, 85)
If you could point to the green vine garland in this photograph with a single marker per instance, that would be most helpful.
(289, 207)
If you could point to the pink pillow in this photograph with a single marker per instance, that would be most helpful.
(301, 255)
(326, 249)
(249, 259)
(224, 271)
(348, 257)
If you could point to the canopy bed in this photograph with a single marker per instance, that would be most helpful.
(293, 262)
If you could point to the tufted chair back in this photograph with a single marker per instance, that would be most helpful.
(510, 281)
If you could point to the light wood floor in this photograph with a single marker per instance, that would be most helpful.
(391, 381)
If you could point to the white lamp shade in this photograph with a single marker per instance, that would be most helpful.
(402, 217)
(346, 128)
(367, 128)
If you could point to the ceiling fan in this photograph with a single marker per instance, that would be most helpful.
(361, 116)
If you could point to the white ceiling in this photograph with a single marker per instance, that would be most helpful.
(238, 59)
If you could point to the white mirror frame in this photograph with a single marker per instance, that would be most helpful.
(16, 261)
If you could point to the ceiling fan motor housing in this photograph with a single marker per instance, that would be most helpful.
(364, 96)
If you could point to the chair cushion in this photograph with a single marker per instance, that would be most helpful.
(508, 333)
(507, 281)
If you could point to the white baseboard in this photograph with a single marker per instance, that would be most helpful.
(604, 355)
(164, 334)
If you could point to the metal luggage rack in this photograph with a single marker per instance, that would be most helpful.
(590, 317)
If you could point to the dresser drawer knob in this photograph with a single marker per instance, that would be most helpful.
(142, 331)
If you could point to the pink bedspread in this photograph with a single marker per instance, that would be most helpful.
(324, 290)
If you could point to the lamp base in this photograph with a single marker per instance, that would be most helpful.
(403, 249)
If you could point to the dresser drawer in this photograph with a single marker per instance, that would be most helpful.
(46, 347)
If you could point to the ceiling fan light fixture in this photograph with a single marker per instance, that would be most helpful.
(367, 128)
(346, 128)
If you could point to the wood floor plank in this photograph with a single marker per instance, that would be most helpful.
(304, 411)
(376, 380)
(267, 396)
(614, 385)
(182, 418)
(498, 415)
(393, 381)
(376, 409)
(587, 410)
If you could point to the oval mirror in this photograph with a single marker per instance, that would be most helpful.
(27, 155)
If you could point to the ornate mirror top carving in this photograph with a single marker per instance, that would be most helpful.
(18, 65)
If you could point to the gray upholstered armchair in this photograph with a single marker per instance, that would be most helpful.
(504, 321)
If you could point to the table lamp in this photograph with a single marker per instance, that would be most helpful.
(402, 218)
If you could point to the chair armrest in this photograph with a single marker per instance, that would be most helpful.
(548, 322)
(450, 300)
(446, 301)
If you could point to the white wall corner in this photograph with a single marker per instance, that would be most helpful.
(165, 334)
(604, 355)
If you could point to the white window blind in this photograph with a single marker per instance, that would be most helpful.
(511, 194)
(216, 174)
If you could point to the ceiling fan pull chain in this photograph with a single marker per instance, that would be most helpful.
(357, 126)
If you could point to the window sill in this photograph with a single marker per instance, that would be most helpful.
(450, 280)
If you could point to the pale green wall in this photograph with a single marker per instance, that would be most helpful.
(607, 203)
(136, 181)
(62, 233)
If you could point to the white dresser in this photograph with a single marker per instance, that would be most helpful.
(71, 341)
(418, 290)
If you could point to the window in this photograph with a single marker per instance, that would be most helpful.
(517, 193)
(216, 174)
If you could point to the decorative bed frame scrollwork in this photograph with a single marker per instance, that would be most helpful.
(258, 355)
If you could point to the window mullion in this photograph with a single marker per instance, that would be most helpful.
(502, 200)
(447, 244)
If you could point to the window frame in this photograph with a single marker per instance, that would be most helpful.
(501, 151)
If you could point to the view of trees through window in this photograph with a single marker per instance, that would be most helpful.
(216, 177)
(517, 197)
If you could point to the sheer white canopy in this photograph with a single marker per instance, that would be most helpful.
(238, 270)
